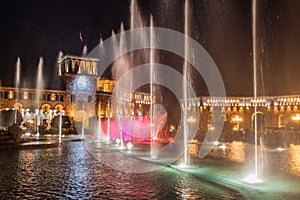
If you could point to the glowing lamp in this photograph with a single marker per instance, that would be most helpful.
(129, 146)
(118, 141)
(296, 117)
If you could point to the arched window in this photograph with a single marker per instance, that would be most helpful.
(282, 121)
(258, 121)
(210, 122)
(223, 118)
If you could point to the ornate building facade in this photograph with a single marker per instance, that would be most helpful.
(88, 96)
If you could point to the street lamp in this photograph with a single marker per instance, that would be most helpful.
(191, 119)
(296, 118)
(236, 121)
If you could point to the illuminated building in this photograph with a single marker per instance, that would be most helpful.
(87, 95)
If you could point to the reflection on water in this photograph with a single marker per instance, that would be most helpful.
(272, 160)
(70, 172)
(294, 159)
(236, 151)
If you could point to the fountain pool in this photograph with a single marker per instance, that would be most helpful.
(71, 172)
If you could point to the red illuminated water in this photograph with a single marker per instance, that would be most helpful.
(132, 129)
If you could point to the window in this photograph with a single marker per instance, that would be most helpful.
(25, 95)
(20, 95)
(11, 94)
(282, 121)
(222, 118)
(72, 98)
(5, 95)
(30, 96)
(48, 97)
(53, 97)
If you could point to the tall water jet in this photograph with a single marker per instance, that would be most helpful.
(152, 92)
(59, 57)
(136, 21)
(82, 122)
(39, 87)
(108, 122)
(18, 73)
(100, 132)
(17, 83)
(254, 80)
(99, 122)
(184, 85)
(121, 65)
(135, 16)
(122, 41)
(253, 178)
(84, 51)
(60, 129)
(114, 69)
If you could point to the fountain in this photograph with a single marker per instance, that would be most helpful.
(17, 84)
(39, 87)
(254, 178)
(99, 122)
(186, 76)
(228, 171)
(60, 129)
(121, 138)
(152, 92)
(84, 51)
(225, 164)
(129, 146)
(108, 123)
(82, 123)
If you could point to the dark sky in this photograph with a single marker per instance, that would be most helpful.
(31, 29)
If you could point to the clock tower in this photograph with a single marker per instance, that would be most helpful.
(80, 77)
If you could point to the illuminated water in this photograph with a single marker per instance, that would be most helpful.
(70, 172)
(230, 163)
(152, 92)
(17, 82)
(184, 84)
(39, 87)
(254, 58)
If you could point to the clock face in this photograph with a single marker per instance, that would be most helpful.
(82, 83)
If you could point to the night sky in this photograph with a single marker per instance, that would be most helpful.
(31, 29)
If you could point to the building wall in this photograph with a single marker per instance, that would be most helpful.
(242, 118)
(24, 98)
(280, 112)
